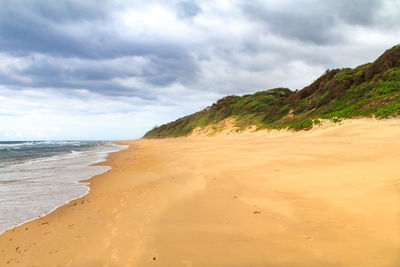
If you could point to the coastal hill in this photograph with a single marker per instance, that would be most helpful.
(369, 90)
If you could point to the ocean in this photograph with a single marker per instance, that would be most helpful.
(39, 176)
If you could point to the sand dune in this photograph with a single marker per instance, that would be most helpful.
(326, 197)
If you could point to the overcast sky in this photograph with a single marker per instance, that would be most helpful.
(86, 69)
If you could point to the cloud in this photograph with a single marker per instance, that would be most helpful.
(311, 21)
(188, 9)
(148, 62)
(74, 45)
(105, 76)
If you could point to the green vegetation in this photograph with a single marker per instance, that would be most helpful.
(369, 90)
(302, 125)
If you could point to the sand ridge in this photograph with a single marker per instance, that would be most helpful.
(325, 197)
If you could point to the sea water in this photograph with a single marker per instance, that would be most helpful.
(39, 176)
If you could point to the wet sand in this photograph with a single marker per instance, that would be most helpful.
(325, 197)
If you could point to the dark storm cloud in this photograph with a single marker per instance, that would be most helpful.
(77, 29)
(295, 26)
(61, 11)
(313, 22)
(163, 72)
(356, 12)
(82, 29)
(188, 9)
(102, 75)
(37, 26)
(24, 30)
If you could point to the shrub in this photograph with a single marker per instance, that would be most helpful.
(301, 106)
(302, 125)
(317, 122)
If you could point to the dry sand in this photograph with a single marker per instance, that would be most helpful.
(326, 197)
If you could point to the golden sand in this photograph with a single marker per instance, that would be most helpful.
(325, 197)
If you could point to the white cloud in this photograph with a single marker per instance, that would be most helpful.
(79, 114)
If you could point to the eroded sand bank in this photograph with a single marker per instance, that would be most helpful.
(326, 197)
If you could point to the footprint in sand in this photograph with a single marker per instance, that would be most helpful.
(11, 260)
(116, 213)
(107, 243)
(317, 253)
(114, 255)
(114, 231)
(187, 263)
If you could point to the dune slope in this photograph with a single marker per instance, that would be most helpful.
(369, 90)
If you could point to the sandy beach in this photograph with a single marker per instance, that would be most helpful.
(325, 197)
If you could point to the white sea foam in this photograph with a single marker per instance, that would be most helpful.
(36, 187)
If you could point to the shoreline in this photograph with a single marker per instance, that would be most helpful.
(274, 199)
(85, 182)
